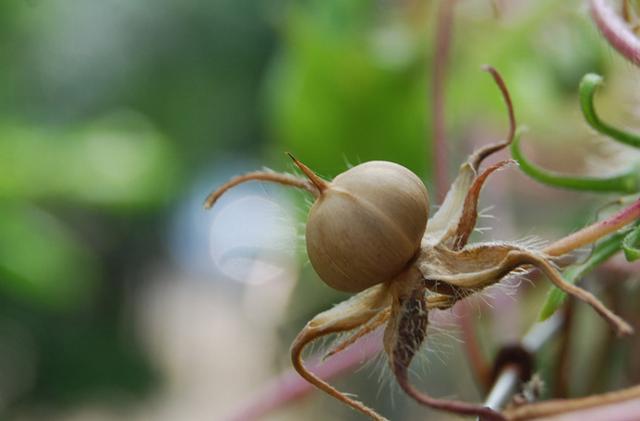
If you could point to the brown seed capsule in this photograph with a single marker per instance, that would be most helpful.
(366, 224)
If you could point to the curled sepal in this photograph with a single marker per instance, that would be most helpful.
(348, 315)
(502, 260)
(403, 337)
(270, 176)
(445, 221)
(601, 252)
(478, 156)
(469, 216)
(627, 183)
(631, 245)
(527, 257)
(375, 322)
(588, 87)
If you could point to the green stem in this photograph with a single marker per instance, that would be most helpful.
(601, 252)
(627, 183)
(631, 245)
(588, 86)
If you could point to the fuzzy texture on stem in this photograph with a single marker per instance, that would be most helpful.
(593, 233)
(269, 176)
(600, 254)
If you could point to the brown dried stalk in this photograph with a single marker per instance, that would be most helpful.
(443, 271)
(561, 406)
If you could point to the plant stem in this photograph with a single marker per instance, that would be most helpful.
(627, 183)
(440, 61)
(508, 380)
(594, 232)
(563, 360)
(614, 29)
(443, 36)
(549, 408)
(290, 386)
(588, 86)
(601, 253)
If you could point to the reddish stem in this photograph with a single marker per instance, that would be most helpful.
(593, 233)
(477, 360)
(440, 62)
(563, 366)
(290, 386)
(444, 32)
(616, 31)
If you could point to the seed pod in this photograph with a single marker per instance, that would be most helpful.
(366, 224)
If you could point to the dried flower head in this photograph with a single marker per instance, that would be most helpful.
(368, 233)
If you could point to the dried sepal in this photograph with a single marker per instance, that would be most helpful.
(345, 316)
(438, 275)
(527, 257)
(445, 221)
(375, 322)
(447, 217)
(472, 268)
(479, 267)
(601, 252)
(404, 335)
(270, 176)
(467, 222)
(318, 182)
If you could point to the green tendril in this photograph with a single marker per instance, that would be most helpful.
(627, 182)
(588, 86)
(631, 245)
(603, 251)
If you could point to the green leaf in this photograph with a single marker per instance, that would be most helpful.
(603, 251)
(631, 245)
(588, 86)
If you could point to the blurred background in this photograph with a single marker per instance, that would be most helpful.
(121, 298)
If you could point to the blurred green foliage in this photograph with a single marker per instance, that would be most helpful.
(41, 261)
(108, 111)
(349, 86)
(350, 83)
(114, 162)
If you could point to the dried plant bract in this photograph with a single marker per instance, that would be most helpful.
(369, 233)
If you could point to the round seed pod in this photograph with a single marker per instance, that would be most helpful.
(366, 225)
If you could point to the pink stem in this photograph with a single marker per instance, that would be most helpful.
(289, 386)
(443, 46)
(592, 233)
(614, 29)
(440, 61)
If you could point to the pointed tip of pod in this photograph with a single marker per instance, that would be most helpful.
(321, 184)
